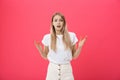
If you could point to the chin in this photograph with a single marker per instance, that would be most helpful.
(59, 29)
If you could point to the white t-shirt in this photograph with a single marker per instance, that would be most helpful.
(62, 55)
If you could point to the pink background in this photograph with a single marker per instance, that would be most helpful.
(23, 21)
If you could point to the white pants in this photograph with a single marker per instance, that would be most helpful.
(59, 72)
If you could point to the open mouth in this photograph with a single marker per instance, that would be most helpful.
(58, 26)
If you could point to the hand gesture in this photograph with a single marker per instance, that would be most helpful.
(82, 41)
(38, 46)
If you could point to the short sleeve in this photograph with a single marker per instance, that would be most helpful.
(46, 40)
(74, 38)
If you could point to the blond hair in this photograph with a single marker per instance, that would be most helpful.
(64, 31)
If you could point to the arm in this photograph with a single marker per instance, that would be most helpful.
(44, 51)
(76, 52)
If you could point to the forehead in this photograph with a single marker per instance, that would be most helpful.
(57, 17)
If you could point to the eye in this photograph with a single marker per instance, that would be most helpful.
(61, 20)
(55, 20)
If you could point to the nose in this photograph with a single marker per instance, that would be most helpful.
(58, 22)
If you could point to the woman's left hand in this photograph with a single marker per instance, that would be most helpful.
(82, 41)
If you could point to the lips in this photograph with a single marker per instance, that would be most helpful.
(58, 26)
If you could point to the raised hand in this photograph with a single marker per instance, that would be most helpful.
(37, 44)
(82, 41)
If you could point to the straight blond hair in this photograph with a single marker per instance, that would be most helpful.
(64, 31)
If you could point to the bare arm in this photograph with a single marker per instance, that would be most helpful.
(76, 51)
(42, 51)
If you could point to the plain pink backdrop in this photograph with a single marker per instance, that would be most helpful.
(23, 21)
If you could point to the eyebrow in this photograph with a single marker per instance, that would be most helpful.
(59, 19)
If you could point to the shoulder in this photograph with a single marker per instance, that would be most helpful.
(46, 39)
(47, 36)
(72, 34)
(73, 37)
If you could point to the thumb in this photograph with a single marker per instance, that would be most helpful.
(80, 38)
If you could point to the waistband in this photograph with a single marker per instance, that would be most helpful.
(59, 64)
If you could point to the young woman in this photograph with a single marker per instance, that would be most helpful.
(60, 48)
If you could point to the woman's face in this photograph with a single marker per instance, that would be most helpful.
(58, 22)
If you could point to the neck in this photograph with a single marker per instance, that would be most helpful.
(58, 33)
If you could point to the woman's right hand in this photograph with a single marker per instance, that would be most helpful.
(37, 44)
(39, 47)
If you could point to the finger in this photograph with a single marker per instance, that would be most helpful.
(36, 42)
(84, 40)
(85, 37)
(80, 38)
